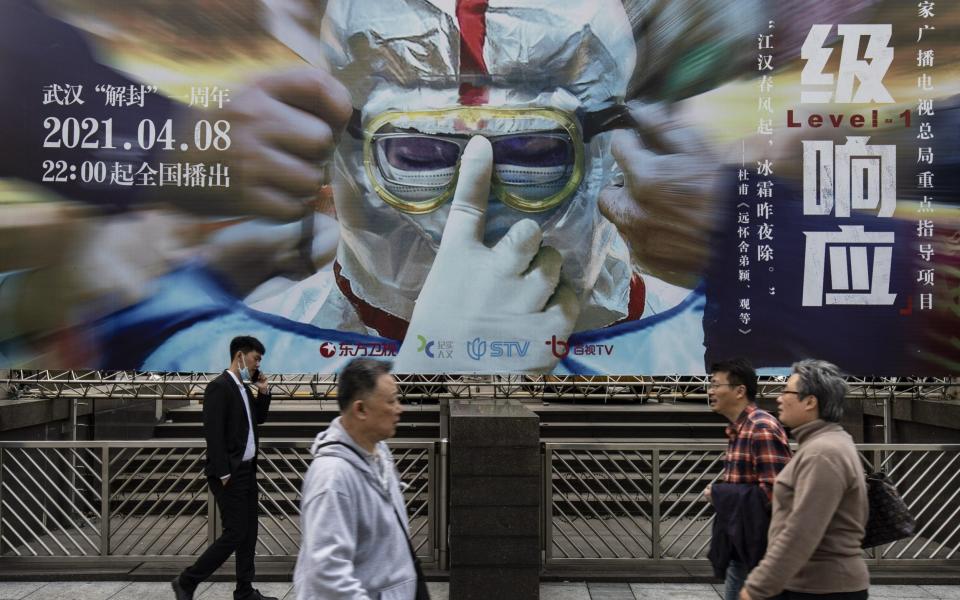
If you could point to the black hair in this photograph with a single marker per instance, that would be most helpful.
(358, 378)
(739, 371)
(245, 344)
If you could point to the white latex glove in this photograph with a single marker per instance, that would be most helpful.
(509, 293)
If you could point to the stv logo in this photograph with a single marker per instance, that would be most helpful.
(499, 349)
(476, 348)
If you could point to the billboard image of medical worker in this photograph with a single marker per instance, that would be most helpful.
(479, 187)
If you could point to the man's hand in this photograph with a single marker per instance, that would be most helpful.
(706, 493)
(667, 207)
(247, 254)
(261, 383)
(745, 595)
(283, 130)
(225, 480)
(510, 292)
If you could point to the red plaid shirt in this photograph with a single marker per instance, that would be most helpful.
(757, 450)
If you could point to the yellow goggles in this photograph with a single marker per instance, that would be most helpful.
(412, 158)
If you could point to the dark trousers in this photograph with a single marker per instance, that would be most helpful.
(237, 502)
(788, 595)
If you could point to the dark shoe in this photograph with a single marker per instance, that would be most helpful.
(179, 592)
(254, 595)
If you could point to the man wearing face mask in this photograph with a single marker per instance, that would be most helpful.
(230, 418)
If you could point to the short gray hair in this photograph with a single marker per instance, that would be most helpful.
(825, 381)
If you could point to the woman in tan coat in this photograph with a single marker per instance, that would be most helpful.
(819, 499)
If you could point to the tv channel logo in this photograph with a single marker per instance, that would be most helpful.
(478, 348)
(435, 348)
(563, 348)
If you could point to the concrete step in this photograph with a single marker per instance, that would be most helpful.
(558, 421)
(620, 430)
(297, 411)
(294, 429)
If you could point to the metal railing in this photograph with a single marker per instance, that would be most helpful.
(612, 505)
(313, 386)
(135, 500)
(605, 505)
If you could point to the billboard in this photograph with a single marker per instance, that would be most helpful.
(480, 186)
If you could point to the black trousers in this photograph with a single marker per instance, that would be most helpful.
(237, 502)
(788, 595)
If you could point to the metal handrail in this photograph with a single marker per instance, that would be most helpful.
(602, 501)
(134, 500)
(618, 503)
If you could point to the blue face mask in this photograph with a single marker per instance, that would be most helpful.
(244, 371)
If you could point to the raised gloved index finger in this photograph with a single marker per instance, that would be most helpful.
(467, 217)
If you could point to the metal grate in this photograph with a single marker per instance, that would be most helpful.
(150, 499)
(929, 483)
(617, 503)
(50, 501)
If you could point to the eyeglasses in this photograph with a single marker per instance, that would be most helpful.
(784, 392)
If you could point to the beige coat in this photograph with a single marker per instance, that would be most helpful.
(818, 519)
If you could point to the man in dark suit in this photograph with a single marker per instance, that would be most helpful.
(230, 419)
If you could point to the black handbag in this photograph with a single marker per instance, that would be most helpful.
(889, 518)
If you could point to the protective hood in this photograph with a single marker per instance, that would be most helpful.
(409, 55)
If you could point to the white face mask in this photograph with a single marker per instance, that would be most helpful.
(244, 371)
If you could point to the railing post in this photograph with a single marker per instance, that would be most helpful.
(444, 407)
(888, 419)
(211, 517)
(655, 508)
(547, 512)
(74, 418)
(2, 452)
(878, 458)
(442, 497)
(105, 501)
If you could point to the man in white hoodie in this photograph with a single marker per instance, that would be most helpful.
(352, 515)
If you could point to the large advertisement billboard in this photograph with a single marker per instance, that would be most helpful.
(480, 186)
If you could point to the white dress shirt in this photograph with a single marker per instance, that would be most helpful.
(251, 449)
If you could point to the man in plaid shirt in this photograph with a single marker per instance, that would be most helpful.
(757, 447)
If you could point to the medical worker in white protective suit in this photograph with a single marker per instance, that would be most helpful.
(515, 249)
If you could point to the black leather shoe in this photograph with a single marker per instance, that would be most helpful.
(178, 590)
(254, 595)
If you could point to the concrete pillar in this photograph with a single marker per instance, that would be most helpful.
(495, 495)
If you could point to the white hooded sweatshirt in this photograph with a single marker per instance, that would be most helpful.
(353, 547)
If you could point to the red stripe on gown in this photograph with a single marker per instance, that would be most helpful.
(472, 17)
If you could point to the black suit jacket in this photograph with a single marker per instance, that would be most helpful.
(740, 525)
(225, 423)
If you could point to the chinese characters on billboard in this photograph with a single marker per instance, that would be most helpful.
(469, 186)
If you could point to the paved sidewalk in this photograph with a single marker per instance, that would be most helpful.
(140, 590)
